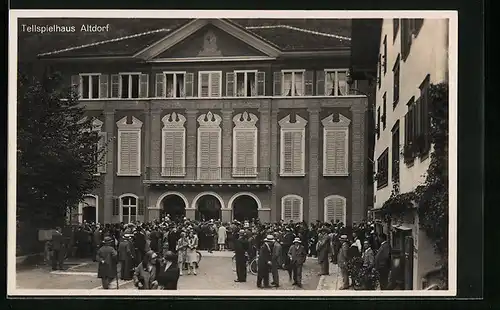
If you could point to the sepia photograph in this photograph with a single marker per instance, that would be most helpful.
(280, 153)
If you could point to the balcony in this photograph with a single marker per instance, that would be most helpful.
(210, 177)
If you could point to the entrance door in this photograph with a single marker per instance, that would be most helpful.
(174, 206)
(208, 208)
(245, 208)
(408, 263)
(89, 214)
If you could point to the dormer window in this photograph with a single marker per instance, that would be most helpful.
(293, 83)
(90, 86)
(175, 84)
(129, 85)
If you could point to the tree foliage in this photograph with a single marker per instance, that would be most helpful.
(57, 153)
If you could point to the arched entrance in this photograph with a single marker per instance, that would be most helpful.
(208, 207)
(88, 209)
(174, 205)
(245, 208)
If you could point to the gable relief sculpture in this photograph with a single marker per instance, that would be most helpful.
(209, 48)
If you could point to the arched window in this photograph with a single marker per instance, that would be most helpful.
(128, 206)
(292, 208)
(335, 208)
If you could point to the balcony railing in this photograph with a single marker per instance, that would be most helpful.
(208, 174)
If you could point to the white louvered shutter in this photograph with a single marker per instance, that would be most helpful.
(261, 83)
(143, 85)
(287, 209)
(336, 152)
(103, 137)
(174, 142)
(103, 86)
(329, 210)
(339, 209)
(297, 153)
(214, 155)
(244, 159)
(215, 84)
(296, 210)
(230, 84)
(287, 152)
(277, 84)
(320, 83)
(115, 86)
(204, 84)
(209, 153)
(160, 85)
(308, 83)
(124, 152)
(129, 153)
(134, 153)
(189, 85)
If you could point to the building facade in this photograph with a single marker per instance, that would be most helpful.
(413, 54)
(216, 120)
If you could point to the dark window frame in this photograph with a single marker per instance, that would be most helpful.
(396, 82)
(378, 123)
(425, 120)
(383, 169)
(385, 55)
(409, 136)
(384, 110)
(395, 156)
(379, 71)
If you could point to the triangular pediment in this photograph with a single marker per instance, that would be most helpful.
(206, 39)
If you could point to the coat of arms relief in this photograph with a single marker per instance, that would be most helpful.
(209, 48)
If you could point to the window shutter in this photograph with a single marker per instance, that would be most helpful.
(101, 168)
(230, 84)
(144, 85)
(174, 153)
(297, 156)
(116, 205)
(204, 154)
(103, 86)
(214, 155)
(296, 208)
(287, 152)
(308, 83)
(160, 85)
(320, 83)
(215, 81)
(277, 84)
(204, 84)
(124, 152)
(240, 152)
(330, 210)
(406, 130)
(287, 209)
(329, 152)
(341, 151)
(141, 206)
(261, 83)
(115, 86)
(134, 153)
(339, 212)
(250, 153)
(189, 84)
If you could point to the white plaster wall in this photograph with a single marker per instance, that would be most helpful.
(428, 55)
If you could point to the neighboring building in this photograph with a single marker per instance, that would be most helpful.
(216, 120)
(413, 53)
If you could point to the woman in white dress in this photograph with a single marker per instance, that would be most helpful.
(181, 247)
(191, 254)
(222, 234)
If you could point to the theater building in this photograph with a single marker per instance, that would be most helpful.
(212, 119)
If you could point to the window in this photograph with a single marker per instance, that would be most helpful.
(383, 169)
(379, 71)
(384, 57)
(336, 83)
(129, 85)
(174, 145)
(384, 110)
(209, 146)
(395, 28)
(174, 85)
(128, 207)
(292, 146)
(396, 81)
(91, 85)
(395, 153)
(410, 29)
(245, 145)
(292, 208)
(210, 84)
(425, 119)
(336, 146)
(335, 209)
(129, 147)
(245, 83)
(409, 147)
(377, 130)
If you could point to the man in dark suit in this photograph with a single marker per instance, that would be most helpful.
(241, 246)
(323, 249)
(139, 245)
(383, 262)
(169, 272)
(297, 254)
(107, 257)
(264, 263)
(126, 257)
(57, 249)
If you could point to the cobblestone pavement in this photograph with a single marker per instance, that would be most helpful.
(215, 273)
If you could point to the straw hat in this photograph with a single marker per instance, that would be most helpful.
(297, 240)
(269, 238)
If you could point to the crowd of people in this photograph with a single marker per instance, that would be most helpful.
(156, 253)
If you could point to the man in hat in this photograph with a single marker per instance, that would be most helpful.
(323, 248)
(264, 263)
(297, 255)
(107, 258)
(126, 257)
(58, 248)
(342, 260)
(241, 246)
(276, 260)
(211, 233)
(383, 262)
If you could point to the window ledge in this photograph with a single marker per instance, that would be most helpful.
(173, 174)
(335, 174)
(283, 174)
(382, 186)
(128, 174)
(236, 175)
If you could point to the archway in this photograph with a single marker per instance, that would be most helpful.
(208, 207)
(173, 205)
(88, 209)
(245, 207)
